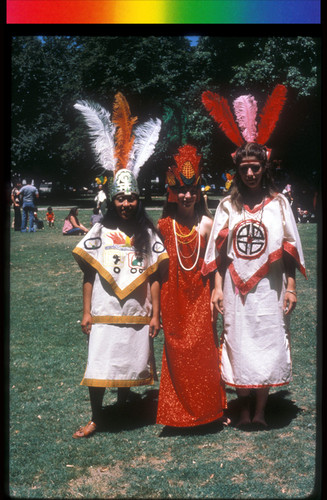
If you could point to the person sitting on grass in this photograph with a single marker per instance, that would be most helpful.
(38, 223)
(96, 216)
(72, 225)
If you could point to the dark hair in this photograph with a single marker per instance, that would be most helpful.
(72, 212)
(267, 183)
(200, 208)
(49, 209)
(137, 226)
(96, 210)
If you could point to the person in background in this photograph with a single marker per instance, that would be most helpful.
(29, 194)
(96, 216)
(72, 224)
(15, 198)
(38, 223)
(101, 200)
(50, 216)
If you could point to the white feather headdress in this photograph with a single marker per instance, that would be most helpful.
(116, 144)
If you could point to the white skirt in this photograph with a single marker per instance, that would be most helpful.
(119, 356)
(255, 342)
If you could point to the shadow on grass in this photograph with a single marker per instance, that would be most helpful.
(140, 412)
(280, 411)
(199, 430)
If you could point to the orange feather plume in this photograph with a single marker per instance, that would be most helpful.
(124, 122)
(219, 109)
(270, 113)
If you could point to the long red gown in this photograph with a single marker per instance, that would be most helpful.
(191, 392)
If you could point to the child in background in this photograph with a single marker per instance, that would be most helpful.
(50, 217)
(96, 216)
(37, 223)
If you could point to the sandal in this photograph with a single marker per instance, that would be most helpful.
(85, 431)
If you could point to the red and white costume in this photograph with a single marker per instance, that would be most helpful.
(255, 342)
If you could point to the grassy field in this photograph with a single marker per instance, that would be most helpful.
(137, 458)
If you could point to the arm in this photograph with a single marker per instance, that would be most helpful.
(205, 227)
(217, 296)
(290, 297)
(155, 326)
(86, 323)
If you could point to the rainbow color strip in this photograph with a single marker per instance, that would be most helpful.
(163, 11)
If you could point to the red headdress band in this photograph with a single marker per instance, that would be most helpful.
(245, 109)
(186, 172)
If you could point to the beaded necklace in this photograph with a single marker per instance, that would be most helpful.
(181, 238)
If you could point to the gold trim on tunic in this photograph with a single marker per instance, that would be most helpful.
(126, 320)
(121, 294)
(93, 382)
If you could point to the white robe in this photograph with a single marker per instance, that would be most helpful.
(255, 341)
(120, 352)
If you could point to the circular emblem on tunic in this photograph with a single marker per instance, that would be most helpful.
(158, 247)
(93, 243)
(249, 239)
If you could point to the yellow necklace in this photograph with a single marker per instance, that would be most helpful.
(198, 246)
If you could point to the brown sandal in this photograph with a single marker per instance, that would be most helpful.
(85, 431)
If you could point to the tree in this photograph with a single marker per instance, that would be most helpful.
(161, 77)
(234, 66)
(44, 80)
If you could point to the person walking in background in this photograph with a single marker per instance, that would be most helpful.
(15, 199)
(29, 195)
(50, 216)
(254, 249)
(72, 224)
(190, 391)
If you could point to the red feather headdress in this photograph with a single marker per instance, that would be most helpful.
(245, 108)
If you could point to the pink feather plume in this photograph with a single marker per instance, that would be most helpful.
(246, 108)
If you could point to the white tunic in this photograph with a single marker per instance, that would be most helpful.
(255, 341)
(120, 352)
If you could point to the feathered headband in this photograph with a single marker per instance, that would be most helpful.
(245, 109)
(186, 172)
(116, 145)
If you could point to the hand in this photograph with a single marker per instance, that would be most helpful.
(86, 323)
(289, 303)
(216, 304)
(154, 327)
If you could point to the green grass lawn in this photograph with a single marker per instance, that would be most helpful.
(136, 459)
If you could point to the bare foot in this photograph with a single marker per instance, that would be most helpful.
(259, 421)
(243, 421)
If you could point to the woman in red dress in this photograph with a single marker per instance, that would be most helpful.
(191, 392)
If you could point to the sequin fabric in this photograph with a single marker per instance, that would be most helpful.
(191, 392)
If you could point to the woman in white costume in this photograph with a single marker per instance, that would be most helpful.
(120, 258)
(254, 248)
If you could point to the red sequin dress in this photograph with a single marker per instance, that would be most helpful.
(191, 392)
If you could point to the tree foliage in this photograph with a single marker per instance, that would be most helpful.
(161, 77)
